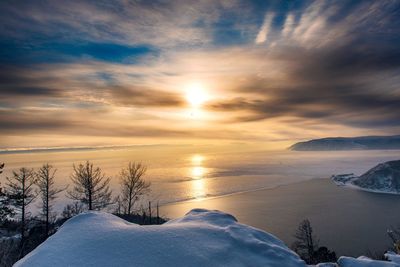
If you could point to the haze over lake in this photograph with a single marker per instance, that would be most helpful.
(195, 172)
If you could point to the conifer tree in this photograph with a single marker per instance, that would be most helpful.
(305, 244)
(5, 209)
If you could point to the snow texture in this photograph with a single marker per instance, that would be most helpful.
(364, 262)
(200, 238)
(391, 256)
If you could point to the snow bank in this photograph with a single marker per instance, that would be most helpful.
(364, 262)
(391, 256)
(201, 238)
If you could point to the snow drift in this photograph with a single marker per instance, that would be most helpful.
(201, 238)
(366, 262)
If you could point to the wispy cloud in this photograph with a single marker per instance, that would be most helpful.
(265, 28)
(288, 26)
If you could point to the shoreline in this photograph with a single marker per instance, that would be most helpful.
(356, 187)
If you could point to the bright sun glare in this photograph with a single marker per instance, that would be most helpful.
(196, 95)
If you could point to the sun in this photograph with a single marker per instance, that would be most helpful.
(196, 95)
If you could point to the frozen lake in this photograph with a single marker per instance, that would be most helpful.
(351, 222)
(185, 172)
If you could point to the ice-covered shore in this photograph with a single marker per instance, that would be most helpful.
(200, 238)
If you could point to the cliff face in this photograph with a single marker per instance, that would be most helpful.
(349, 143)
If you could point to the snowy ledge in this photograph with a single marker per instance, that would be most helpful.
(200, 238)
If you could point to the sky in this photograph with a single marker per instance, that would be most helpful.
(76, 73)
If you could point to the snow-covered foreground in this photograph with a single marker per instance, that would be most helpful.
(367, 262)
(201, 238)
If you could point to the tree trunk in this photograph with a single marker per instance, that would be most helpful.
(158, 214)
(90, 200)
(149, 212)
(129, 205)
(23, 217)
(47, 207)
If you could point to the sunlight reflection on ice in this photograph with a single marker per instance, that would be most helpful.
(197, 175)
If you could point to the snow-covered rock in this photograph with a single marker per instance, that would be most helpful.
(200, 238)
(383, 178)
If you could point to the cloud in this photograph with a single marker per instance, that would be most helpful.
(289, 25)
(159, 23)
(265, 28)
(147, 97)
(339, 105)
(121, 69)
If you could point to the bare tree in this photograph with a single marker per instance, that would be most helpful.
(90, 186)
(118, 202)
(72, 209)
(21, 193)
(305, 244)
(133, 185)
(47, 191)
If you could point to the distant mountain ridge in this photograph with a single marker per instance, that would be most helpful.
(349, 143)
(383, 178)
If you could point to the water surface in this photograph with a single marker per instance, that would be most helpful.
(349, 221)
(184, 172)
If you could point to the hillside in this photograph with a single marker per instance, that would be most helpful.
(349, 143)
(383, 178)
